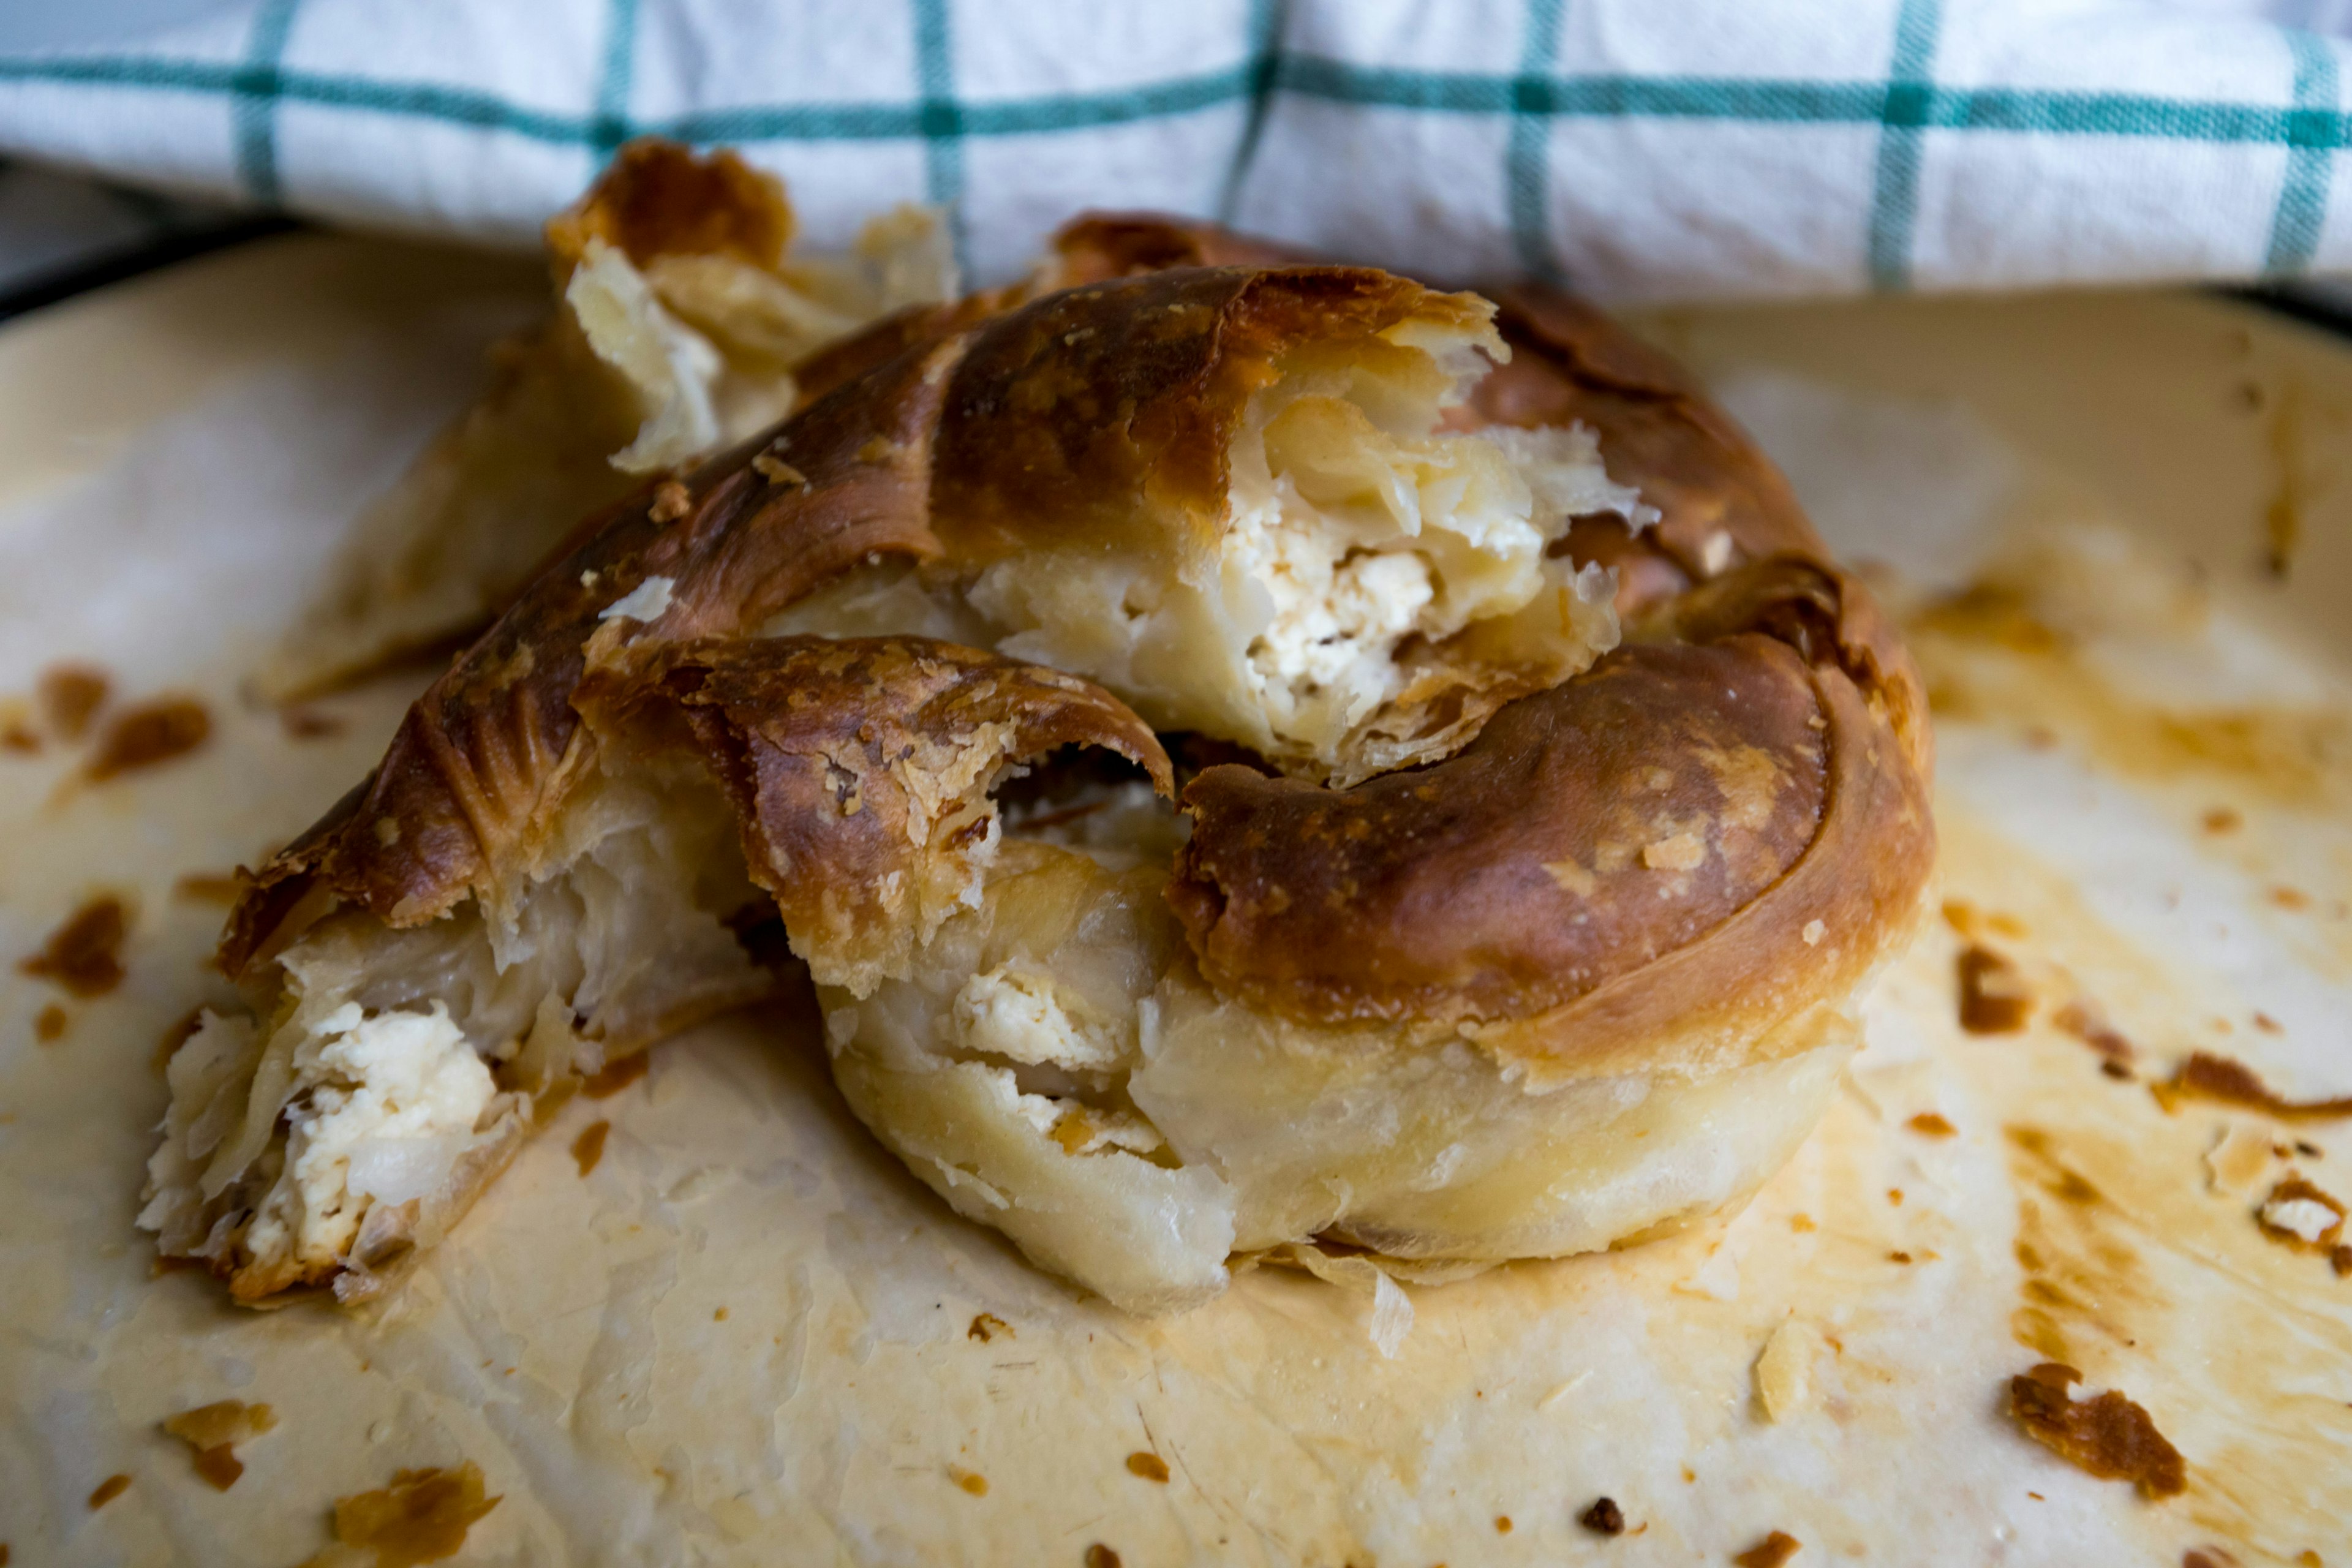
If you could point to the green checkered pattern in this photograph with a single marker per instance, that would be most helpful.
(1637, 148)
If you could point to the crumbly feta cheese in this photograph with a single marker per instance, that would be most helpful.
(395, 1102)
(1016, 1016)
(1337, 613)
(1366, 542)
(1562, 467)
(2304, 1218)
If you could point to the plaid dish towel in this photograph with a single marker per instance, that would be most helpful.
(1639, 149)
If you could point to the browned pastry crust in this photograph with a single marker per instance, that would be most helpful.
(1108, 411)
(1451, 894)
(846, 761)
(1662, 433)
(974, 445)
(657, 198)
(1676, 860)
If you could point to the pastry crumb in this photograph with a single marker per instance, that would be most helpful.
(212, 1433)
(2109, 1436)
(588, 1148)
(986, 1327)
(2084, 1020)
(84, 955)
(1149, 1465)
(671, 501)
(150, 735)
(2238, 1159)
(1603, 1518)
(2206, 1076)
(1784, 1372)
(1994, 999)
(70, 695)
(776, 471)
(421, 1517)
(970, 1481)
(1771, 1551)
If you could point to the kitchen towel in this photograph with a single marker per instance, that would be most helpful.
(1639, 150)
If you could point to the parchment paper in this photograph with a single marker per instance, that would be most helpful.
(747, 1336)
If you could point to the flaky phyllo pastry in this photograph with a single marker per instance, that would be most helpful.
(681, 310)
(1257, 759)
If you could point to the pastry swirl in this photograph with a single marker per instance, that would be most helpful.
(1250, 751)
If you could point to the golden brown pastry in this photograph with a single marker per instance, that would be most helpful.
(681, 310)
(1483, 926)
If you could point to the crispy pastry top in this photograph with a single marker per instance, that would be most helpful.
(1719, 826)
(657, 198)
(1107, 413)
(856, 768)
(1588, 829)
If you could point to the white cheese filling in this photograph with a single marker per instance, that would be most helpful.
(2304, 1218)
(1016, 1016)
(1347, 541)
(396, 1101)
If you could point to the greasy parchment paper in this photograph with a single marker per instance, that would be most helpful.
(746, 1336)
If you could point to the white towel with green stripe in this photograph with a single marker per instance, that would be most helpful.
(1641, 150)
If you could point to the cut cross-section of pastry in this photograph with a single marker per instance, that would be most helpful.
(387, 1072)
(681, 312)
(1471, 934)
(1236, 498)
